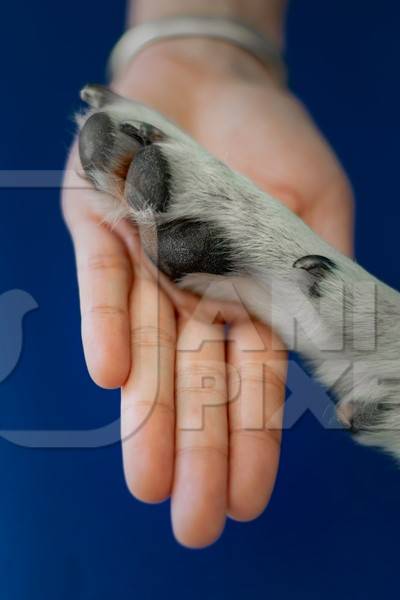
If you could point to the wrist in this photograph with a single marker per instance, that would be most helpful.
(266, 16)
(195, 61)
(172, 76)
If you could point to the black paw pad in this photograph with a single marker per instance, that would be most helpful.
(186, 246)
(148, 180)
(102, 147)
(96, 141)
(318, 267)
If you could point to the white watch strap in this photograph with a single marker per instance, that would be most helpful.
(134, 40)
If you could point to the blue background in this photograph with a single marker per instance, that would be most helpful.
(68, 527)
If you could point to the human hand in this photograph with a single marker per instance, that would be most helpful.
(256, 127)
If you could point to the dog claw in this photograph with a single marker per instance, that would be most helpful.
(97, 96)
(146, 133)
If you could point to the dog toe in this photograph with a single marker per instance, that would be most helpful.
(106, 152)
(147, 181)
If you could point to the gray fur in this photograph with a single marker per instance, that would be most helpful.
(283, 272)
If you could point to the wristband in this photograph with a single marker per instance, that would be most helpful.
(136, 39)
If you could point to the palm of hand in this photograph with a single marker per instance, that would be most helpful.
(135, 337)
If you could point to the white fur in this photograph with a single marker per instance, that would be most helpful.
(357, 317)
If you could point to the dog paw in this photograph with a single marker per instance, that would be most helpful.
(158, 176)
(195, 215)
(198, 219)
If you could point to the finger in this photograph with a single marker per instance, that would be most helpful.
(201, 463)
(147, 409)
(104, 277)
(255, 418)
